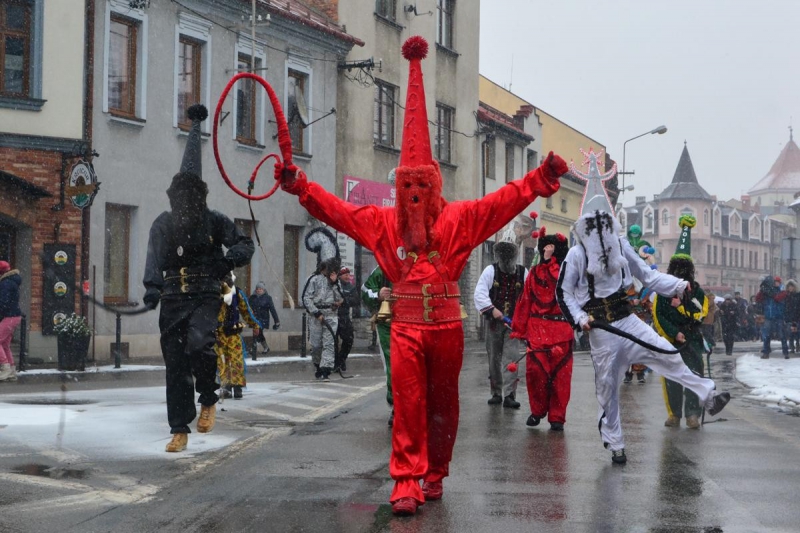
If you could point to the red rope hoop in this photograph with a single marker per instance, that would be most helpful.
(284, 139)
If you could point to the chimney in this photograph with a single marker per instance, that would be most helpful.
(746, 202)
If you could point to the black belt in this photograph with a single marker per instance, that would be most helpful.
(610, 308)
(188, 280)
(557, 318)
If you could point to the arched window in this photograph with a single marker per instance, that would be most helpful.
(705, 217)
(665, 217)
(623, 219)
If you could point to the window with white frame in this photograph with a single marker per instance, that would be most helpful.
(623, 219)
(444, 22)
(192, 66)
(248, 102)
(383, 125)
(717, 220)
(18, 66)
(532, 160)
(298, 88)
(386, 8)
(767, 229)
(665, 218)
(705, 217)
(125, 62)
(444, 127)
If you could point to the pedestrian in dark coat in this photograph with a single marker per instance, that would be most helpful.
(793, 316)
(729, 315)
(773, 301)
(263, 307)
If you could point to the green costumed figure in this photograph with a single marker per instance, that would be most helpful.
(642, 247)
(680, 321)
(375, 290)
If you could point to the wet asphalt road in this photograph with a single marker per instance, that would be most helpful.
(739, 473)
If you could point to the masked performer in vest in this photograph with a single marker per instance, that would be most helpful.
(184, 267)
(495, 297)
(549, 336)
(422, 245)
(592, 288)
(680, 321)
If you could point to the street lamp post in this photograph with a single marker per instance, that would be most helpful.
(660, 130)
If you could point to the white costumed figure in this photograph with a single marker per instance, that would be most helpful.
(591, 292)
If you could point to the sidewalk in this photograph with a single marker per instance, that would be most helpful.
(149, 367)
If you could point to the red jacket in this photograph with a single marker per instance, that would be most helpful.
(539, 298)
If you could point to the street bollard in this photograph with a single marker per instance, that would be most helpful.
(303, 336)
(118, 345)
(23, 343)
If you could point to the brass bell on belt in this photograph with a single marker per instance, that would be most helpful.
(463, 312)
(385, 311)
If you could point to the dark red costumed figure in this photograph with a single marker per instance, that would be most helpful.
(539, 321)
(422, 245)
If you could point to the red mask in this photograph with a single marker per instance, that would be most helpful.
(419, 204)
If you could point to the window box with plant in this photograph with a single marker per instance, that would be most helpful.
(73, 342)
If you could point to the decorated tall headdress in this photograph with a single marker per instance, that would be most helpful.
(595, 196)
(684, 248)
(681, 264)
(416, 147)
(323, 243)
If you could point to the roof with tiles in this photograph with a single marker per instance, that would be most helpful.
(489, 115)
(785, 172)
(684, 184)
(302, 13)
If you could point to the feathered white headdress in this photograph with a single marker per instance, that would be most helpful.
(599, 232)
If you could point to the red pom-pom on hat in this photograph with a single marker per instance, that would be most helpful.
(535, 234)
(534, 215)
(560, 237)
(512, 367)
(415, 47)
(542, 231)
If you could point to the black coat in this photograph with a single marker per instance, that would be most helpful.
(9, 294)
(263, 307)
(729, 314)
(169, 249)
(792, 307)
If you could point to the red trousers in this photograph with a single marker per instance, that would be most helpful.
(426, 362)
(549, 378)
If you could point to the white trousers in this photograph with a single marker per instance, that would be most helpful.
(612, 355)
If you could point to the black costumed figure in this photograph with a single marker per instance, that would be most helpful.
(184, 268)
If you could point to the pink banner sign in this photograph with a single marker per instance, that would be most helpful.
(364, 192)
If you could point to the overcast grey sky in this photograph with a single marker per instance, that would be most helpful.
(724, 75)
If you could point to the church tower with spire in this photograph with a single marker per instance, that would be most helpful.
(776, 191)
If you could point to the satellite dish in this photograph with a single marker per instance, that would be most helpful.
(297, 107)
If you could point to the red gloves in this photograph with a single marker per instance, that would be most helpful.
(292, 178)
(554, 167)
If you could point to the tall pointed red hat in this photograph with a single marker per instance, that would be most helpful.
(416, 148)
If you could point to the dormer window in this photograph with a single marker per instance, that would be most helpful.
(705, 217)
(735, 224)
(755, 228)
(647, 219)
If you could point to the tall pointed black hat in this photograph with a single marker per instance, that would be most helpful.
(192, 160)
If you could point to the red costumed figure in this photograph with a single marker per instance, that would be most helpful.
(422, 245)
(549, 336)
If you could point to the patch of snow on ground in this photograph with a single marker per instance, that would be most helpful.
(774, 381)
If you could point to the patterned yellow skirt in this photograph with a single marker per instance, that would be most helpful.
(230, 360)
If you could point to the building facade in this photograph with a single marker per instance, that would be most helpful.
(45, 132)
(733, 245)
(151, 64)
(372, 88)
